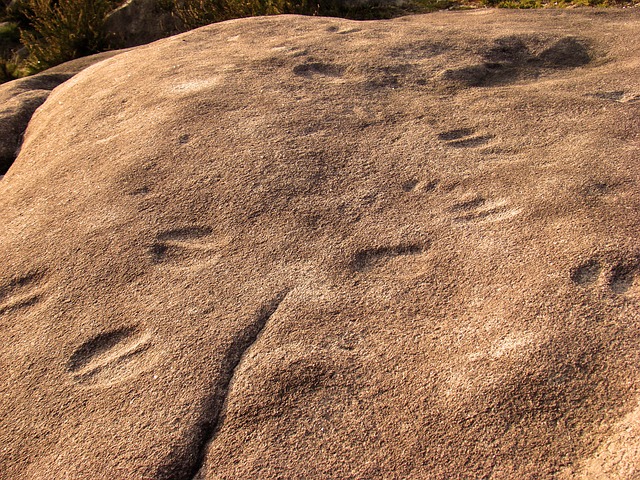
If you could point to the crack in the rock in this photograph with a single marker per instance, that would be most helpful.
(188, 465)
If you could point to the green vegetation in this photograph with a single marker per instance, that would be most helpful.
(9, 39)
(9, 32)
(558, 3)
(63, 30)
(38, 34)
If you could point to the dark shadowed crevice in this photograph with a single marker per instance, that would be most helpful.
(186, 463)
(365, 260)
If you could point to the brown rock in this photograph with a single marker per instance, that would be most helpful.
(20, 98)
(295, 247)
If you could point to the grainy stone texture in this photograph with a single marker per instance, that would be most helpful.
(297, 247)
(20, 98)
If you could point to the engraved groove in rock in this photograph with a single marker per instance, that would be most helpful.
(410, 185)
(616, 95)
(179, 244)
(22, 302)
(186, 464)
(479, 209)
(586, 273)
(20, 292)
(97, 345)
(107, 356)
(598, 188)
(318, 68)
(471, 142)
(568, 52)
(456, 134)
(462, 138)
(512, 58)
(18, 283)
(468, 205)
(415, 185)
(144, 190)
(621, 278)
(346, 32)
(369, 258)
(336, 29)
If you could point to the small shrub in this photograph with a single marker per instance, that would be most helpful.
(6, 72)
(9, 33)
(9, 45)
(197, 13)
(12, 67)
(63, 30)
(17, 11)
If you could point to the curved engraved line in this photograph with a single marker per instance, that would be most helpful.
(181, 240)
(456, 134)
(188, 465)
(23, 302)
(122, 357)
(93, 351)
(471, 142)
(19, 283)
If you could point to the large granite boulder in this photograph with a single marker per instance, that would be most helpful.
(20, 98)
(296, 247)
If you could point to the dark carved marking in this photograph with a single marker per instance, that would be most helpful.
(409, 185)
(174, 244)
(512, 58)
(318, 68)
(461, 138)
(621, 279)
(468, 205)
(97, 346)
(18, 283)
(21, 303)
(568, 52)
(586, 273)
(510, 49)
(471, 142)
(186, 464)
(616, 95)
(455, 134)
(109, 357)
(19, 292)
(366, 259)
(140, 191)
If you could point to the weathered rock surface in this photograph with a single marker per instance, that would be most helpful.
(296, 247)
(20, 98)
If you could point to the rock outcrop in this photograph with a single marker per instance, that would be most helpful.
(296, 247)
(20, 98)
